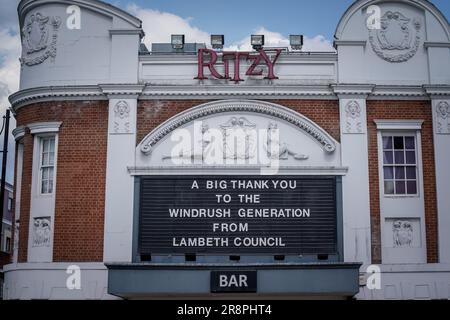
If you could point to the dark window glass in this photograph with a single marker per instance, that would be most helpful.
(398, 143)
(388, 173)
(400, 173)
(400, 187)
(411, 173)
(411, 187)
(410, 143)
(399, 157)
(410, 157)
(388, 157)
(387, 143)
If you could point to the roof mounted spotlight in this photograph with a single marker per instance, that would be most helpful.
(257, 41)
(296, 41)
(177, 41)
(217, 41)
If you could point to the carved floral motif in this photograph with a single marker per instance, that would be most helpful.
(403, 233)
(353, 117)
(41, 232)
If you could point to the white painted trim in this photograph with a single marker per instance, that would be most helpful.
(420, 196)
(44, 127)
(361, 43)
(431, 44)
(18, 133)
(126, 32)
(399, 124)
(207, 170)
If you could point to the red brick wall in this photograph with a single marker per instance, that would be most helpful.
(151, 113)
(80, 181)
(412, 110)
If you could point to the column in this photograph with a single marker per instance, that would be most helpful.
(441, 138)
(355, 184)
(118, 235)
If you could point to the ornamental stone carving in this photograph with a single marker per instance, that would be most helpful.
(398, 39)
(443, 118)
(277, 149)
(42, 232)
(239, 141)
(121, 121)
(39, 38)
(403, 233)
(265, 108)
(353, 118)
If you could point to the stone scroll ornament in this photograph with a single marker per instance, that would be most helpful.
(39, 38)
(403, 233)
(443, 118)
(398, 39)
(41, 232)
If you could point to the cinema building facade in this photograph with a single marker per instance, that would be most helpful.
(360, 138)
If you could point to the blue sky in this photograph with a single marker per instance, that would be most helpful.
(237, 18)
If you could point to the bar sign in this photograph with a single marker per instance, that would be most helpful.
(233, 281)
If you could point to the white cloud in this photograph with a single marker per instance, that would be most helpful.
(276, 39)
(9, 66)
(158, 26)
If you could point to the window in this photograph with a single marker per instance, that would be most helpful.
(10, 203)
(47, 164)
(400, 165)
(8, 244)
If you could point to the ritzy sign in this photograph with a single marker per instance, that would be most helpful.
(208, 59)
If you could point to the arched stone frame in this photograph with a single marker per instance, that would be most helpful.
(301, 122)
(360, 4)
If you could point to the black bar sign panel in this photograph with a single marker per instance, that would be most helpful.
(233, 281)
(237, 215)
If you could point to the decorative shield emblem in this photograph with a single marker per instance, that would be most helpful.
(39, 36)
(398, 39)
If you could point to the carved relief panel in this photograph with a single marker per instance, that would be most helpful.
(443, 118)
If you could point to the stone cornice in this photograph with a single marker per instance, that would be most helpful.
(399, 124)
(208, 92)
(358, 43)
(241, 91)
(54, 93)
(19, 132)
(121, 32)
(432, 44)
(438, 91)
(352, 90)
(44, 127)
(121, 90)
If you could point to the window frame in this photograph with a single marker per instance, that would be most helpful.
(40, 167)
(404, 134)
(400, 128)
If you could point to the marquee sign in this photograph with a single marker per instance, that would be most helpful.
(237, 215)
(208, 59)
